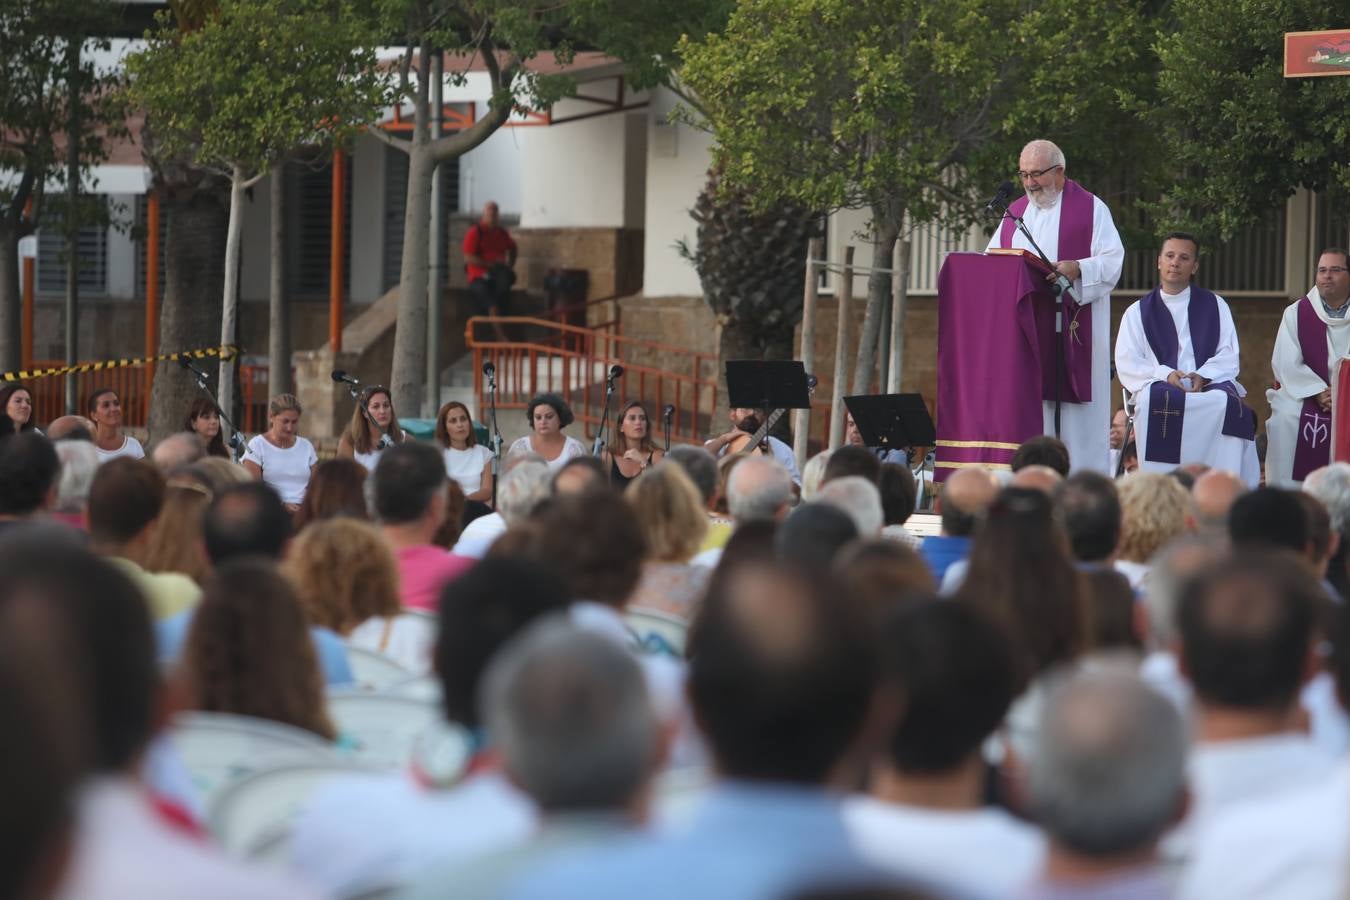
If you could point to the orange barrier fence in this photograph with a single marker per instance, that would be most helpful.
(130, 383)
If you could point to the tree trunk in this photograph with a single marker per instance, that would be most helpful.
(230, 296)
(278, 311)
(194, 268)
(11, 301)
(899, 303)
(885, 229)
(410, 334)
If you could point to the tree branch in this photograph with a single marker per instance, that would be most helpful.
(388, 139)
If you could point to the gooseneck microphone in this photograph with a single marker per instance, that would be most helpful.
(999, 199)
(343, 378)
(615, 371)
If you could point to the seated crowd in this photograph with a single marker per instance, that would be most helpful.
(665, 675)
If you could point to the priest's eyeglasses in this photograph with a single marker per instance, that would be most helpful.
(1331, 270)
(1039, 173)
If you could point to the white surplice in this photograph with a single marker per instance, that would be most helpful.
(1084, 427)
(1298, 382)
(1202, 439)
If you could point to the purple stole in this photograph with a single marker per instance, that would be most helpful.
(1075, 242)
(1166, 401)
(1312, 448)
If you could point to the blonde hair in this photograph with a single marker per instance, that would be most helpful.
(283, 403)
(670, 513)
(343, 572)
(176, 543)
(1153, 511)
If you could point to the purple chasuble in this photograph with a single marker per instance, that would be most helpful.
(1166, 401)
(1312, 449)
(1075, 242)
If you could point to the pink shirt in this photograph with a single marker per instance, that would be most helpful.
(423, 571)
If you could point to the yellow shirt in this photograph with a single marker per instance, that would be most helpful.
(167, 593)
(719, 532)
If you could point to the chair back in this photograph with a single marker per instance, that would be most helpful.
(381, 730)
(418, 687)
(374, 671)
(219, 749)
(657, 633)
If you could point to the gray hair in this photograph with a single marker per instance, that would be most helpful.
(572, 715)
(859, 499)
(1107, 775)
(759, 487)
(1169, 570)
(813, 473)
(1048, 149)
(79, 463)
(177, 450)
(1331, 485)
(522, 489)
(699, 465)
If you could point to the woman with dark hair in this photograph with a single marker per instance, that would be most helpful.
(16, 402)
(361, 438)
(467, 463)
(203, 420)
(548, 415)
(105, 409)
(336, 489)
(631, 450)
(249, 651)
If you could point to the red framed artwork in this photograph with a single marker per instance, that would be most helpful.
(1316, 54)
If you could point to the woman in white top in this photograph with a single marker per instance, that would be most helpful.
(279, 456)
(105, 409)
(361, 439)
(466, 461)
(347, 580)
(548, 415)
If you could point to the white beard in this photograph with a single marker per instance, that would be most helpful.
(1046, 198)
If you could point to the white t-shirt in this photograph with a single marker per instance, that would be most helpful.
(368, 459)
(130, 448)
(984, 851)
(466, 466)
(286, 470)
(409, 641)
(571, 447)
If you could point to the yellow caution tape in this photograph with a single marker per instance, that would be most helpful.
(225, 352)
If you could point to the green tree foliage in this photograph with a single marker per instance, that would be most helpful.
(246, 85)
(35, 97)
(911, 109)
(1239, 137)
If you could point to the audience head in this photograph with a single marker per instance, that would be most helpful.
(1155, 509)
(79, 464)
(177, 451)
(1171, 568)
(570, 712)
(898, 493)
(1042, 450)
(246, 519)
(1331, 485)
(343, 573)
(759, 487)
(176, 542)
(1211, 499)
(1269, 517)
(850, 460)
(408, 486)
(580, 474)
(669, 510)
(1322, 542)
(956, 672)
(1088, 508)
(812, 534)
(521, 490)
(219, 473)
(594, 542)
(29, 469)
(1111, 611)
(71, 428)
(249, 651)
(1247, 627)
(1108, 773)
(882, 575)
(813, 473)
(700, 466)
(336, 488)
(858, 498)
(479, 612)
(124, 501)
(782, 677)
(1037, 478)
(965, 496)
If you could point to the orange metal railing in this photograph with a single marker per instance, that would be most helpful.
(130, 383)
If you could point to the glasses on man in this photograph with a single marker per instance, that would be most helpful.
(1039, 173)
(1331, 270)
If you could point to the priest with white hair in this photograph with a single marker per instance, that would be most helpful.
(1177, 354)
(1075, 230)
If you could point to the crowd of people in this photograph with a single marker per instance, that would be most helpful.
(676, 675)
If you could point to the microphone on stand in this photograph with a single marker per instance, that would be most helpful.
(489, 369)
(187, 364)
(615, 371)
(668, 411)
(343, 378)
(1000, 198)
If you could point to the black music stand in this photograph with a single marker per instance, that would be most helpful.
(767, 384)
(892, 421)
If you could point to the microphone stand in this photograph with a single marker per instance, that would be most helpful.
(385, 440)
(1059, 287)
(599, 443)
(496, 437)
(665, 417)
(236, 440)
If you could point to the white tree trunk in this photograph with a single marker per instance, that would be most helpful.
(278, 311)
(899, 300)
(410, 335)
(844, 325)
(230, 296)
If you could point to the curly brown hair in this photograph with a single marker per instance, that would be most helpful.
(249, 651)
(343, 573)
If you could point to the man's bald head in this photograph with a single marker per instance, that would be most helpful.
(1037, 478)
(176, 451)
(759, 488)
(71, 428)
(965, 494)
(1212, 497)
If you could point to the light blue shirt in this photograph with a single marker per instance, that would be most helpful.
(748, 841)
(171, 634)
